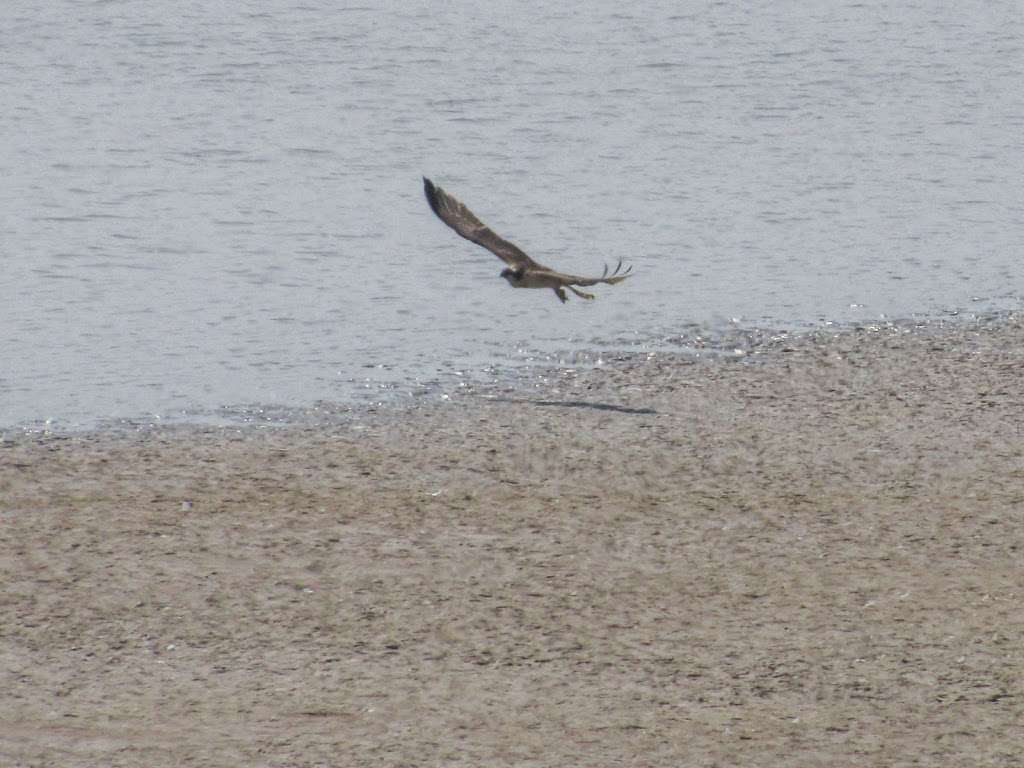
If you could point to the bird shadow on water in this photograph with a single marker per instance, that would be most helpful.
(577, 404)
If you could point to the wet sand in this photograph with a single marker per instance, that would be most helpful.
(815, 558)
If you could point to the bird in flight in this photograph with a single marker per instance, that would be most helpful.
(522, 271)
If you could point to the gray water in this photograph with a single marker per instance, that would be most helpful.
(206, 212)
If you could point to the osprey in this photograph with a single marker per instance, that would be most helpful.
(522, 271)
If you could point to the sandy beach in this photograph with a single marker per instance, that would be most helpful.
(814, 557)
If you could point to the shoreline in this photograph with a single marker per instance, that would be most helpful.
(730, 344)
(812, 557)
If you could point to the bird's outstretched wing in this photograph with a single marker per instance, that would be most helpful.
(457, 216)
(617, 276)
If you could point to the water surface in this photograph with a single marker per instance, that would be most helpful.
(205, 209)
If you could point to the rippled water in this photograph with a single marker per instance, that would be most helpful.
(203, 208)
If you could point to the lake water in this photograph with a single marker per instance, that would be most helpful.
(206, 213)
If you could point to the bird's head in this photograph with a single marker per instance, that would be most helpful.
(512, 275)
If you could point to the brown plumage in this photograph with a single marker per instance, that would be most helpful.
(522, 271)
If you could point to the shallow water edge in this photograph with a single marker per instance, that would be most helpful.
(547, 375)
